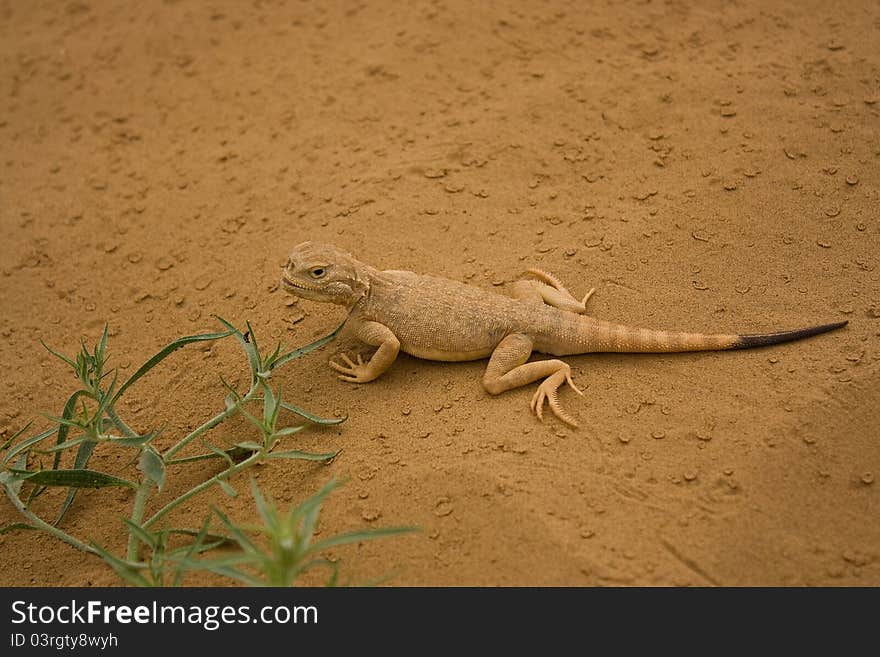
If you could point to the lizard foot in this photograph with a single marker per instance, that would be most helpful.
(350, 371)
(587, 298)
(547, 391)
(562, 298)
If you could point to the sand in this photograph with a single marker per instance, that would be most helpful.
(707, 166)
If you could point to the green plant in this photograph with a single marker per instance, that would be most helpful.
(90, 418)
(282, 548)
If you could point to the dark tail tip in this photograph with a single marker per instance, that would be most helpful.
(764, 339)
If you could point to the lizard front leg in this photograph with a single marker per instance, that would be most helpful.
(375, 335)
(550, 291)
(508, 369)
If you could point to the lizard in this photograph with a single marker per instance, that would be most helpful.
(440, 319)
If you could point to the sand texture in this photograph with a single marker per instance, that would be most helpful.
(709, 166)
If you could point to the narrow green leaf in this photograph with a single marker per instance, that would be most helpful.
(72, 478)
(158, 559)
(312, 417)
(381, 579)
(357, 537)
(233, 560)
(63, 430)
(25, 444)
(199, 457)
(236, 534)
(218, 538)
(70, 424)
(249, 445)
(7, 478)
(136, 440)
(296, 353)
(238, 454)
(303, 456)
(306, 514)
(196, 547)
(15, 436)
(11, 483)
(271, 358)
(144, 536)
(152, 465)
(126, 430)
(228, 571)
(252, 339)
(315, 500)
(310, 522)
(325, 563)
(334, 574)
(162, 354)
(212, 544)
(288, 431)
(127, 570)
(67, 444)
(270, 406)
(36, 491)
(101, 348)
(58, 355)
(107, 398)
(247, 345)
(276, 406)
(232, 390)
(226, 455)
(83, 454)
(265, 507)
(252, 419)
(228, 489)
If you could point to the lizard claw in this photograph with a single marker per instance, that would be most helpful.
(547, 392)
(569, 381)
(587, 297)
(352, 372)
(537, 403)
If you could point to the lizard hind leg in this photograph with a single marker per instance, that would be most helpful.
(508, 369)
(526, 290)
(551, 290)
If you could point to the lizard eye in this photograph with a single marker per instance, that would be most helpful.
(317, 272)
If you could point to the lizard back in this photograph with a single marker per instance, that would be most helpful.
(441, 319)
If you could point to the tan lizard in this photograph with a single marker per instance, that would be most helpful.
(441, 319)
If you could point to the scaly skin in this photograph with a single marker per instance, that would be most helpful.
(440, 319)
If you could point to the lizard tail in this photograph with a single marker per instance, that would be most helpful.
(764, 339)
(601, 336)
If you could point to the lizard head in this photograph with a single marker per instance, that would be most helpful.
(321, 272)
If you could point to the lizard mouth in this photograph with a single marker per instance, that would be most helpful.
(296, 286)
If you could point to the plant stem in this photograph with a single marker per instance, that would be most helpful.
(190, 459)
(137, 514)
(127, 431)
(249, 461)
(45, 526)
(210, 424)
